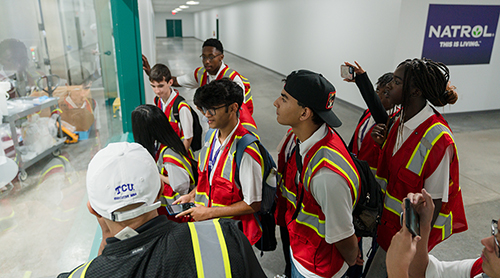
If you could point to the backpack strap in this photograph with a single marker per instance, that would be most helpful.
(175, 106)
(156, 100)
(242, 144)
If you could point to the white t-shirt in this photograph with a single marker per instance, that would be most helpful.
(189, 81)
(438, 183)
(185, 116)
(250, 171)
(332, 193)
(453, 269)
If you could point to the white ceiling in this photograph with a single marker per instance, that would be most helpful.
(166, 6)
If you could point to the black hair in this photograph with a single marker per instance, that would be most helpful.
(150, 125)
(384, 79)
(214, 43)
(430, 77)
(317, 120)
(14, 51)
(160, 72)
(219, 92)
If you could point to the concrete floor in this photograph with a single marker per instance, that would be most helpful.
(49, 230)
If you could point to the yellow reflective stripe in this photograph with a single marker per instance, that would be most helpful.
(306, 216)
(392, 204)
(428, 149)
(201, 198)
(445, 223)
(196, 249)
(287, 194)
(48, 170)
(260, 157)
(187, 168)
(223, 247)
(80, 271)
(7, 217)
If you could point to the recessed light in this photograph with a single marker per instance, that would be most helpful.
(192, 2)
(183, 7)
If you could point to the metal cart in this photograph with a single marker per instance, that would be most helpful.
(30, 106)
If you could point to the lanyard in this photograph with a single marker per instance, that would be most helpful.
(363, 134)
(213, 156)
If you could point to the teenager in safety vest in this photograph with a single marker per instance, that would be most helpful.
(217, 193)
(409, 256)
(319, 183)
(123, 188)
(161, 82)
(150, 126)
(419, 152)
(215, 69)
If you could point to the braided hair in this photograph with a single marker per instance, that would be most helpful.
(430, 77)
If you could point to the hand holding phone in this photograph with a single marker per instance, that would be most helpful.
(347, 72)
(412, 221)
(178, 208)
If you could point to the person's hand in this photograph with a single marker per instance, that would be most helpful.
(379, 133)
(188, 198)
(424, 206)
(357, 70)
(198, 213)
(359, 261)
(401, 252)
(145, 65)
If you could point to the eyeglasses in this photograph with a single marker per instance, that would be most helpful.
(209, 58)
(494, 232)
(212, 111)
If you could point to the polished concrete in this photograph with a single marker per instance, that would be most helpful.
(45, 227)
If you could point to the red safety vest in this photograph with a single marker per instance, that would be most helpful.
(168, 196)
(169, 112)
(406, 172)
(200, 74)
(307, 231)
(369, 150)
(224, 190)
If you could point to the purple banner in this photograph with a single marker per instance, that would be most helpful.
(460, 34)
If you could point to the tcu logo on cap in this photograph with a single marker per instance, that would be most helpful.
(331, 99)
(122, 189)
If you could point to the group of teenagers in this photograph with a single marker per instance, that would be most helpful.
(408, 145)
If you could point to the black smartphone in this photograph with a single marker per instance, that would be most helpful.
(347, 72)
(412, 218)
(178, 208)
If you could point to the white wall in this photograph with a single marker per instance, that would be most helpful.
(285, 35)
(148, 40)
(319, 35)
(187, 23)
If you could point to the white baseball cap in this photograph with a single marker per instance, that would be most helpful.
(119, 175)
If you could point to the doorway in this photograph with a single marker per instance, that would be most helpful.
(174, 28)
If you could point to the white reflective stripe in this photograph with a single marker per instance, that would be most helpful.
(393, 204)
(339, 162)
(421, 152)
(213, 249)
(201, 198)
(288, 194)
(382, 182)
(444, 222)
(312, 221)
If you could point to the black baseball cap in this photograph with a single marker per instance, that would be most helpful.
(315, 92)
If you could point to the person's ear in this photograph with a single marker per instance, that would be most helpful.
(306, 114)
(92, 211)
(222, 56)
(170, 82)
(233, 107)
(415, 92)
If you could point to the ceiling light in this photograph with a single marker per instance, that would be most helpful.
(192, 2)
(183, 7)
(178, 10)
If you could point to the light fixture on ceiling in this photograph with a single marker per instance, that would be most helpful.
(192, 2)
(177, 10)
(183, 6)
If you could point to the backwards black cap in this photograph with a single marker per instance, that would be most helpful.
(315, 92)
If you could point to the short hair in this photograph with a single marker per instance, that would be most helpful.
(159, 72)
(214, 43)
(219, 92)
(385, 79)
(430, 77)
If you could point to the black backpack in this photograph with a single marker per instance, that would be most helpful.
(196, 144)
(268, 205)
(368, 210)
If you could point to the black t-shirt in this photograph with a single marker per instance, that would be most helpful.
(164, 248)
